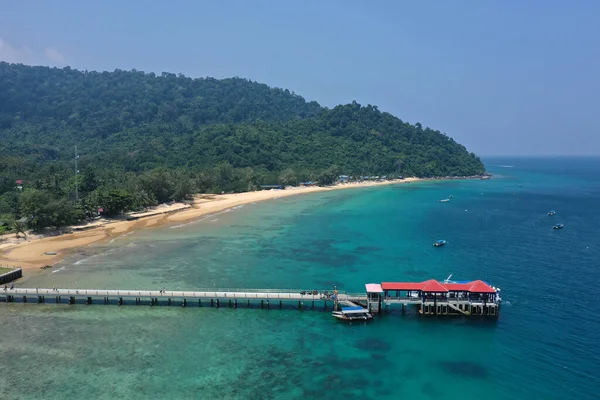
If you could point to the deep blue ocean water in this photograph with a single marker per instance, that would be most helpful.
(543, 346)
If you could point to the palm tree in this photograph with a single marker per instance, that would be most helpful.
(19, 227)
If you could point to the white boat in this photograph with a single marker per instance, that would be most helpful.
(352, 314)
(444, 200)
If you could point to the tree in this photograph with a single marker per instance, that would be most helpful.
(33, 205)
(329, 175)
(18, 227)
(89, 181)
(288, 177)
(114, 201)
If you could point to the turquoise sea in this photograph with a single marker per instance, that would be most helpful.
(543, 346)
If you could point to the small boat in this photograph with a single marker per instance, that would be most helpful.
(439, 243)
(551, 212)
(444, 200)
(558, 226)
(352, 314)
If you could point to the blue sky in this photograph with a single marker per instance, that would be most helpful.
(502, 77)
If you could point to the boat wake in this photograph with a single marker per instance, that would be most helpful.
(60, 269)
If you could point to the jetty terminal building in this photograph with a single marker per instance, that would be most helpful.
(436, 298)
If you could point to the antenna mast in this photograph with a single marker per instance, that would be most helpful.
(76, 180)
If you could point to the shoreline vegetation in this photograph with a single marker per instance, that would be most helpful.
(102, 148)
(30, 254)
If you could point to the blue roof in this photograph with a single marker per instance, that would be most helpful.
(353, 308)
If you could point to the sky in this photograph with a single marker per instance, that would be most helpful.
(512, 77)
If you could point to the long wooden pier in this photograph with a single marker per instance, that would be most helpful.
(215, 297)
(428, 298)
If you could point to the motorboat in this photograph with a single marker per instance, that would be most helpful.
(439, 243)
(444, 200)
(551, 212)
(558, 226)
(352, 314)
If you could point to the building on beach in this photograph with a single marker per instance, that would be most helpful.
(269, 187)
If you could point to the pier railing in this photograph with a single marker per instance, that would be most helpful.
(237, 293)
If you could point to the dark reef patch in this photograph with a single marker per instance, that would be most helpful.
(466, 369)
(373, 344)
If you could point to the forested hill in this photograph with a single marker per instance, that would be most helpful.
(145, 139)
(37, 101)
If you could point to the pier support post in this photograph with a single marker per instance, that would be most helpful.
(89, 300)
(235, 304)
(184, 303)
(262, 303)
(24, 299)
(403, 308)
(120, 301)
(169, 301)
(268, 305)
(217, 303)
(280, 304)
(199, 302)
(325, 305)
(57, 300)
(248, 303)
(229, 303)
(40, 299)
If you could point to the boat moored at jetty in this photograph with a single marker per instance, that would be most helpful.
(439, 243)
(352, 314)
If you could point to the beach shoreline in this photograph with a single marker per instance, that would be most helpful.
(31, 254)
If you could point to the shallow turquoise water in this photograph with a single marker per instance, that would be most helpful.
(543, 346)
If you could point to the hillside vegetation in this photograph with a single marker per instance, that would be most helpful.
(145, 138)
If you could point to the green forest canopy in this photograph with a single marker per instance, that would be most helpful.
(146, 138)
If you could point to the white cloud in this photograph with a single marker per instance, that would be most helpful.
(13, 54)
(54, 55)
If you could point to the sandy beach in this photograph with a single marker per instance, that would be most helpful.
(31, 254)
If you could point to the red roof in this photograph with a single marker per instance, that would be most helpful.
(373, 288)
(481, 287)
(433, 286)
(401, 285)
(457, 287)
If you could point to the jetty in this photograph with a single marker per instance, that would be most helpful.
(214, 297)
(428, 298)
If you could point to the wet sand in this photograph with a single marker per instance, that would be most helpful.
(30, 254)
